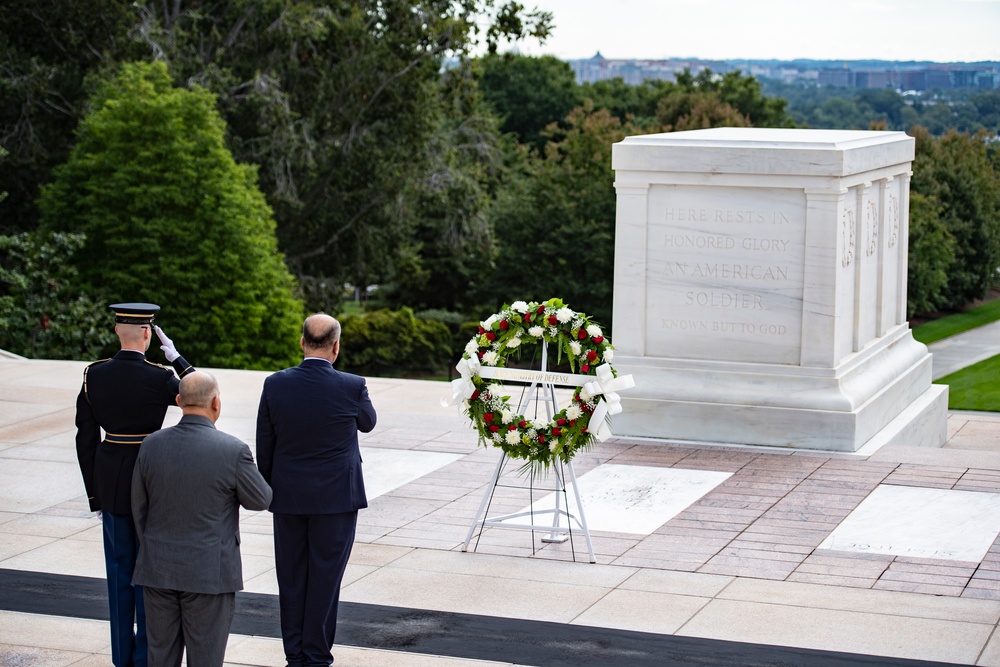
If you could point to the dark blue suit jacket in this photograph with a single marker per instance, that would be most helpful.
(307, 438)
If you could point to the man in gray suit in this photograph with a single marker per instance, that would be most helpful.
(189, 483)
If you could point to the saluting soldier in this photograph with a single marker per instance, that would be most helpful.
(127, 396)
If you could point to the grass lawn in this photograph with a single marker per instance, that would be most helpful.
(950, 325)
(976, 387)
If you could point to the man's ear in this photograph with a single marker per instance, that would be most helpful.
(177, 400)
(302, 343)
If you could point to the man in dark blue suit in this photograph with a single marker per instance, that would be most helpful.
(126, 397)
(307, 450)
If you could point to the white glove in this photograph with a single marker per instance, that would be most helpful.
(169, 351)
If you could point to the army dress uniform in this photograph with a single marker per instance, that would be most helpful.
(127, 396)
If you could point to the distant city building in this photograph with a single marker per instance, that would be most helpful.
(634, 72)
(899, 76)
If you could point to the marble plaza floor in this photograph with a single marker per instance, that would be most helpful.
(889, 556)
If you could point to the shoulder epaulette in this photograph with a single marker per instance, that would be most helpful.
(166, 368)
(85, 369)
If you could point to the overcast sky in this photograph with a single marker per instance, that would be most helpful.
(934, 30)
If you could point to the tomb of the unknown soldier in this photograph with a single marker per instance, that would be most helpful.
(760, 290)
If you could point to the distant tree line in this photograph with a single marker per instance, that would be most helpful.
(247, 162)
(939, 111)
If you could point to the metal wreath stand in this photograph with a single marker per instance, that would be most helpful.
(541, 390)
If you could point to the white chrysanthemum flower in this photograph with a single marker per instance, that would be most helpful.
(552, 446)
(514, 342)
(609, 354)
(495, 388)
(506, 416)
(512, 437)
(573, 412)
(519, 306)
(471, 348)
(594, 331)
(536, 331)
(491, 358)
(489, 322)
(575, 348)
(564, 315)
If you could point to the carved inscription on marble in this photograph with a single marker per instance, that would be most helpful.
(725, 274)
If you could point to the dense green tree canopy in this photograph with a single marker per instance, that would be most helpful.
(959, 182)
(931, 251)
(528, 94)
(341, 105)
(170, 218)
(839, 108)
(555, 223)
(47, 50)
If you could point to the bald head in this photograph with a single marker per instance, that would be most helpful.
(321, 336)
(133, 336)
(199, 395)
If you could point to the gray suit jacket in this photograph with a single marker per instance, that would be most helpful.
(187, 488)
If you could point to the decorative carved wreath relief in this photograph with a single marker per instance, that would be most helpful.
(893, 213)
(871, 229)
(847, 237)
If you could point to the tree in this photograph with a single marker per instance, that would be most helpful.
(839, 113)
(47, 50)
(956, 173)
(635, 104)
(170, 218)
(450, 239)
(885, 103)
(555, 222)
(528, 93)
(742, 93)
(988, 107)
(3, 154)
(696, 111)
(43, 313)
(931, 252)
(339, 104)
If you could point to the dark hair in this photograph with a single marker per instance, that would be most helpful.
(320, 340)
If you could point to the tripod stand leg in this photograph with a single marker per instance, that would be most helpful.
(555, 536)
(481, 512)
(583, 517)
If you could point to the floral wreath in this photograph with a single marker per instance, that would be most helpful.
(583, 344)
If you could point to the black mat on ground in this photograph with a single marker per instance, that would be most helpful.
(451, 634)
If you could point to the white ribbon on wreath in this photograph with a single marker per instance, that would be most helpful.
(462, 387)
(607, 386)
